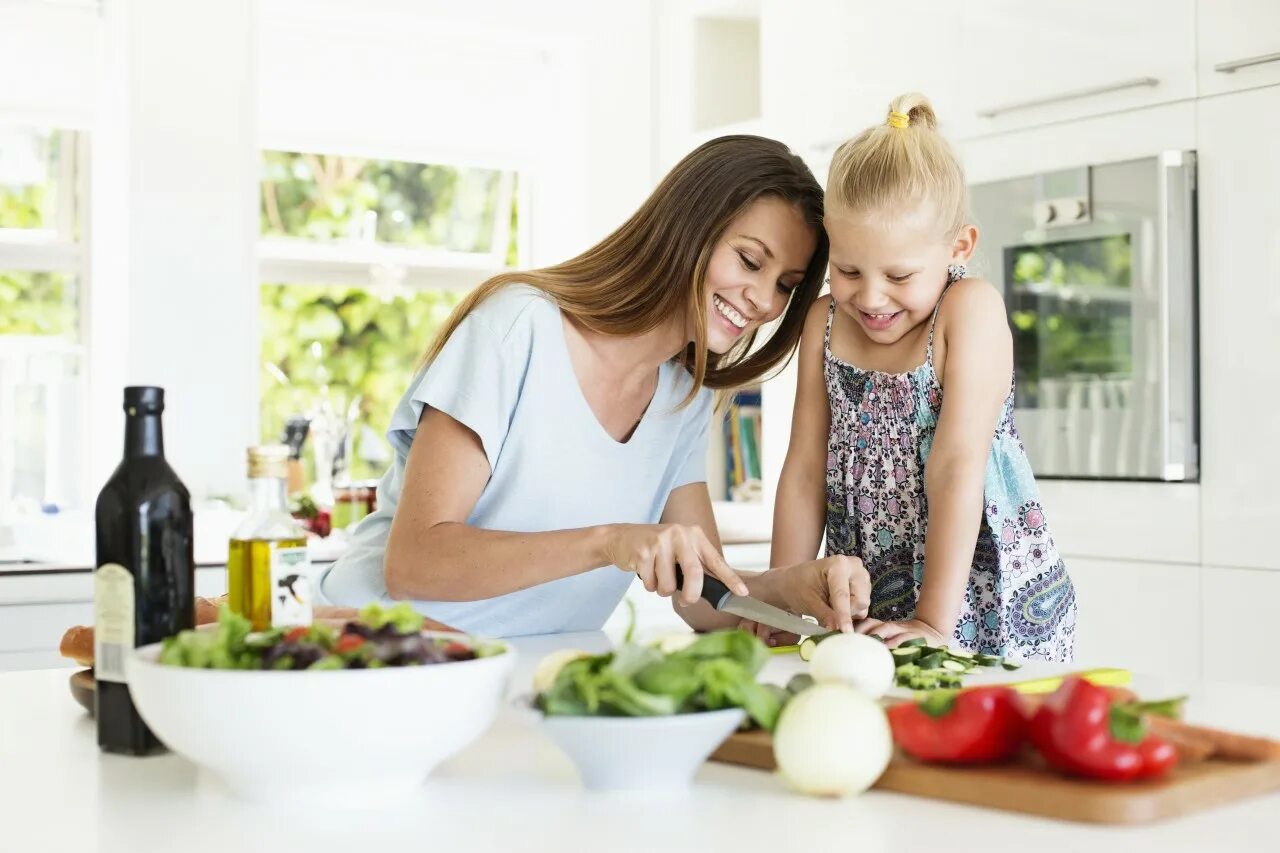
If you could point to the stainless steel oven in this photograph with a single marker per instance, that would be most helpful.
(1097, 265)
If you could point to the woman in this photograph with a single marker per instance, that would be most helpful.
(554, 443)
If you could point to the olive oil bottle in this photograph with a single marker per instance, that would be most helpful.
(144, 586)
(268, 572)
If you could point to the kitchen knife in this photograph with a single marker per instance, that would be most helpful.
(718, 596)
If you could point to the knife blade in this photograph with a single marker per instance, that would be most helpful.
(715, 593)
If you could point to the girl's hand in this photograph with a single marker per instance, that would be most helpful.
(653, 550)
(771, 636)
(896, 633)
(835, 590)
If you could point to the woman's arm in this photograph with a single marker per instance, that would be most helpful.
(978, 367)
(799, 511)
(432, 553)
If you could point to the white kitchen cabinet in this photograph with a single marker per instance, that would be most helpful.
(1142, 616)
(1238, 44)
(1239, 176)
(1037, 63)
(1238, 607)
(829, 68)
(36, 609)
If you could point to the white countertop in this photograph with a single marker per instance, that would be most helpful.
(513, 790)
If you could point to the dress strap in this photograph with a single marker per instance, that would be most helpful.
(955, 272)
(826, 337)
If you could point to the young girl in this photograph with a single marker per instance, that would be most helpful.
(903, 444)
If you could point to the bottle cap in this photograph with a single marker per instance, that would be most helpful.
(144, 400)
(268, 460)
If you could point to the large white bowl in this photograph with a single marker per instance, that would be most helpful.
(360, 737)
(640, 753)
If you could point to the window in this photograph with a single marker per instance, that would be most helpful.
(41, 272)
(361, 262)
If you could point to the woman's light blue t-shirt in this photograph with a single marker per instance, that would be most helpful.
(505, 373)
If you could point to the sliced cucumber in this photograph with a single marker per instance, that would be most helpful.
(917, 641)
(954, 666)
(989, 660)
(961, 654)
(807, 647)
(1011, 665)
(932, 660)
(799, 681)
(904, 655)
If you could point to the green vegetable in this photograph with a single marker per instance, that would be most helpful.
(800, 681)
(905, 654)
(401, 616)
(715, 671)
(924, 667)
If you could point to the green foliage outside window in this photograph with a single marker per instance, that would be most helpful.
(351, 340)
(324, 197)
(30, 204)
(38, 303)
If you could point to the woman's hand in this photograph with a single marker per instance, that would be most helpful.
(896, 633)
(834, 590)
(653, 550)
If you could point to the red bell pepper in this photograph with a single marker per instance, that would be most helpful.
(980, 725)
(1080, 731)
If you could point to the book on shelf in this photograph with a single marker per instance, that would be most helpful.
(743, 472)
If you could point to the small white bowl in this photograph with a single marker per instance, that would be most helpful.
(640, 753)
(351, 738)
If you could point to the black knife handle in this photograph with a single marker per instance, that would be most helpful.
(713, 590)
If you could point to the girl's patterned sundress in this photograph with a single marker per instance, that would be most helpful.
(1019, 600)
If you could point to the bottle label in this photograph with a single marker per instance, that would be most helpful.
(290, 586)
(113, 610)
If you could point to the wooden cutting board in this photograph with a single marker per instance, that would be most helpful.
(1035, 790)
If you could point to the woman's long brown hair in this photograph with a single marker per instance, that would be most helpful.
(654, 266)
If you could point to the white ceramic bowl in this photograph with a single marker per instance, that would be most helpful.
(360, 737)
(640, 753)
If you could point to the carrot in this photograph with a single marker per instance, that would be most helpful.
(1191, 748)
(1228, 745)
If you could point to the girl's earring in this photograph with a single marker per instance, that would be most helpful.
(955, 272)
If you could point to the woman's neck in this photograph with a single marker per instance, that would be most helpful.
(634, 356)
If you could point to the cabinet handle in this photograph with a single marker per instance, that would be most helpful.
(1135, 83)
(1236, 64)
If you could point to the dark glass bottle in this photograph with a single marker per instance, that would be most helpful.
(144, 586)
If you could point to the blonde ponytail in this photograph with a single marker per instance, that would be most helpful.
(899, 163)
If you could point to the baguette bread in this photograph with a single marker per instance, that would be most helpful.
(77, 642)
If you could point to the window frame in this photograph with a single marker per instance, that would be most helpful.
(62, 249)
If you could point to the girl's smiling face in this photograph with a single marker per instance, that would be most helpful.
(760, 259)
(888, 268)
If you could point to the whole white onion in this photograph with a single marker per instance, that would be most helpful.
(832, 741)
(854, 659)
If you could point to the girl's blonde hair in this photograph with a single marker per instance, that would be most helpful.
(654, 266)
(902, 162)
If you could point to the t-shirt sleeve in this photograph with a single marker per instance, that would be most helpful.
(693, 441)
(475, 380)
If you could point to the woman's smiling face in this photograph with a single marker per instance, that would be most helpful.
(760, 259)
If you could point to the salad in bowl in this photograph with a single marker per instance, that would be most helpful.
(349, 713)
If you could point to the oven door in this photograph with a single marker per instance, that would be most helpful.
(1097, 268)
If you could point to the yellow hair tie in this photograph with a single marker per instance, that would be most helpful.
(898, 120)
